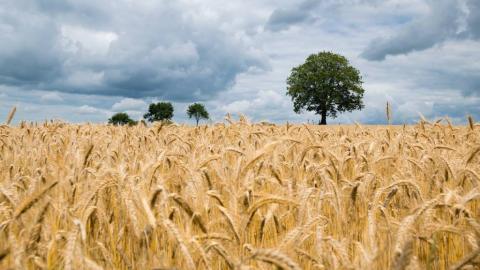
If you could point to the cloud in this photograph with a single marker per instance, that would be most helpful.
(446, 19)
(238, 106)
(93, 42)
(136, 115)
(150, 49)
(86, 110)
(29, 54)
(283, 18)
(474, 18)
(458, 108)
(129, 104)
(264, 105)
(51, 97)
(103, 57)
(333, 14)
(448, 68)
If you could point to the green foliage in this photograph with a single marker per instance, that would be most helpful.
(162, 111)
(120, 119)
(197, 111)
(325, 84)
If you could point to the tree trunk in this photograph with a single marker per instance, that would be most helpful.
(323, 121)
(197, 120)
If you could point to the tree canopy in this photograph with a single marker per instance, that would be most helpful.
(326, 84)
(121, 119)
(197, 111)
(161, 111)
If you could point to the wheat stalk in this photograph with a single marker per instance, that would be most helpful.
(35, 235)
(4, 253)
(274, 257)
(29, 202)
(178, 237)
(197, 219)
(230, 222)
(240, 196)
(388, 113)
(10, 116)
(466, 261)
(471, 122)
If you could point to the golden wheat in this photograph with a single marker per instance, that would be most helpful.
(240, 196)
(10, 116)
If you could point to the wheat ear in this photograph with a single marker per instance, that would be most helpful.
(403, 258)
(274, 257)
(197, 219)
(176, 234)
(10, 115)
(4, 253)
(471, 122)
(466, 260)
(230, 222)
(25, 205)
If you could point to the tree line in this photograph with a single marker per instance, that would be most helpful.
(325, 84)
(161, 111)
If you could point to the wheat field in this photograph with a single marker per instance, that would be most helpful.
(239, 196)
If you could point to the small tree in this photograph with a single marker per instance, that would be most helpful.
(121, 119)
(162, 111)
(325, 84)
(197, 111)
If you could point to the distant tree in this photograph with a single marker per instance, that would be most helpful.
(325, 84)
(121, 119)
(162, 111)
(197, 111)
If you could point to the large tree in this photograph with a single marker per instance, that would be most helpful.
(121, 119)
(162, 111)
(325, 84)
(197, 111)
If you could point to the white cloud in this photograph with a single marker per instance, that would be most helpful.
(86, 109)
(51, 97)
(136, 115)
(264, 105)
(77, 38)
(238, 106)
(129, 104)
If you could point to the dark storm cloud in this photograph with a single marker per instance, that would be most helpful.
(468, 83)
(156, 49)
(28, 54)
(447, 19)
(474, 18)
(84, 60)
(182, 70)
(283, 18)
(305, 12)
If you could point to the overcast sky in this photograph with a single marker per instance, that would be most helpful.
(83, 60)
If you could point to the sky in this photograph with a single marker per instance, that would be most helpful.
(82, 61)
